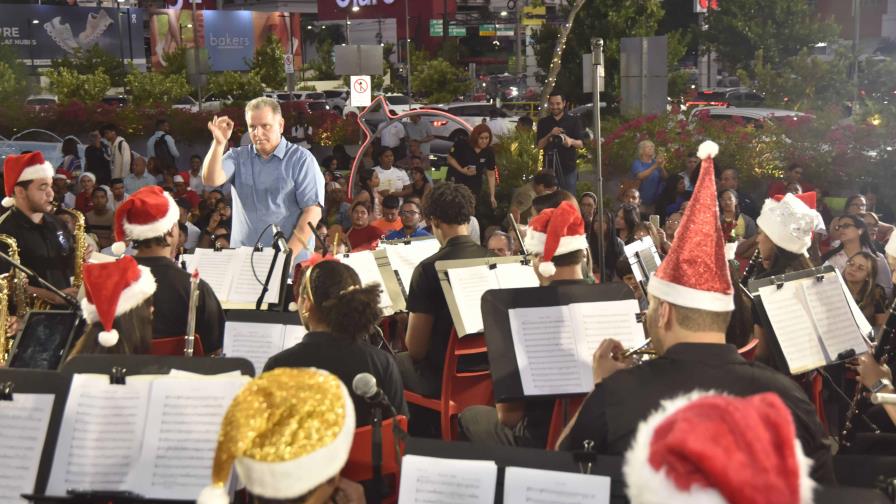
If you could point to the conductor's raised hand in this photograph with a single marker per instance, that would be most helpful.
(221, 129)
(608, 358)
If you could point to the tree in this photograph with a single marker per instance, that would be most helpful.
(267, 63)
(802, 82)
(92, 60)
(778, 28)
(176, 61)
(440, 82)
(241, 86)
(13, 76)
(69, 85)
(152, 87)
(324, 66)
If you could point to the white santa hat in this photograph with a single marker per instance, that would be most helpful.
(695, 274)
(148, 213)
(20, 168)
(789, 221)
(113, 289)
(555, 231)
(717, 449)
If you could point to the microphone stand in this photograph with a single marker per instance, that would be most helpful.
(267, 279)
(70, 301)
(376, 453)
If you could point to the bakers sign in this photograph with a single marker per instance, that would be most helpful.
(361, 3)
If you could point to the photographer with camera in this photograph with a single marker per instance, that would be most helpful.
(559, 135)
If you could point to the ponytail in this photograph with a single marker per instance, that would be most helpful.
(354, 311)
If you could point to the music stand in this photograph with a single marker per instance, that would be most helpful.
(390, 282)
(397, 243)
(130, 365)
(644, 260)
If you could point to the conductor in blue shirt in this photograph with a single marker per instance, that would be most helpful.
(273, 181)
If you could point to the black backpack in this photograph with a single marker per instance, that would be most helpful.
(164, 159)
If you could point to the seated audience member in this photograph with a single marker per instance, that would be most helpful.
(410, 222)
(891, 257)
(552, 200)
(521, 203)
(624, 272)
(340, 314)
(118, 194)
(793, 174)
(118, 308)
(860, 275)
(627, 219)
(62, 196)
(631, 196)
(876, 229)
(854, 239)
(393, 181)
(556, 237)
(288, 434)
(182, 190)
(672, 196)
(336, 210)
(139, 177)
(368, 192)
(729, 180)
(100, 219)
(193, 232)
(195, 182)
(500, 244)
(420, 184)
(690, 302)
(390, 221)
(613, 246)
(362, 236)
(877, 379)
(668, 464)
(670, 227)
(448, 209)
(84, 199)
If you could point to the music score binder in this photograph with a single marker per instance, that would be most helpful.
(499, 333)
(229, 272)
(259, 335)
(405, 255)
(464, 300)
(372, 266)
(809, 314)
(644, 260)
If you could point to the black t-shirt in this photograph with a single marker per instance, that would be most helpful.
(171, 304)
(96, 163)
(465, 155)
(346, 357)
(572, 128)
(612, 412)
(46, 248)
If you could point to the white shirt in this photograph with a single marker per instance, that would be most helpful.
(390, 133)
(499, 128)
(393, 179)
(419, 131)
(151, 144)
(196, 183)
(192, 236)
(115, 203)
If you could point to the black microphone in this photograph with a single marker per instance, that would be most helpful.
(279, 239)
(365, 386)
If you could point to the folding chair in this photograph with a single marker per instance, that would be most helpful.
(360, 466)
(175, 346)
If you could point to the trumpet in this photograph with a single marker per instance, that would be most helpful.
(644, 350)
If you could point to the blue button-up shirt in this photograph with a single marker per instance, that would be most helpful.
(270, 191)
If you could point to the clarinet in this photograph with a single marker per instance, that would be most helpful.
(750, 270)
(190, 338)
(883, 352)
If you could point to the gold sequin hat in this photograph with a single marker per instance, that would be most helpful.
(286, 432)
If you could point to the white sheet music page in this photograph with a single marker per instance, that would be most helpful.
(405, 257)
(293, 334)
(254, 341)
(597, 321)
(101, 433)
(181, 434)
(216, 268)
(468, 285)
(447, 481)
(23, 422)
(538, 486)
(544, 340)
(793, 326)
(864, 326)
(833, 317)
(368, 271)
(245, 288)
(515, 275)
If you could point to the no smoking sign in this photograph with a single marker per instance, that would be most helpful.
(360, 86)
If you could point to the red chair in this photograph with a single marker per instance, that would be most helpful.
(748, 351)
(561, 417)
(459, 389)
(359, 466)
(175, 346)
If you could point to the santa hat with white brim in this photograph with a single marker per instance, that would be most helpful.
(553, 232)
(148, 213)
(113, 289)
(20, 168)
(788, 222)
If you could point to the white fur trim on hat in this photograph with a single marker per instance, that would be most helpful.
(108, 338)
(177, 178)
(130, 298)
(689, 297)
(213, 494)
(8, 202)
(118, 248)
(154, 229)
(278, 480)
(87, 174)
(535, 243)
(708, 149)
(44, 170)
(788, 223)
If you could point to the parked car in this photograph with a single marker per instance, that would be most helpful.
(471, 113)
(336, 99)
(749, 115)
(46, 142)
(724, 97)
(210, 104)
(115, 100)
(41, 102)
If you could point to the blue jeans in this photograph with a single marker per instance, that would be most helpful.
(567, 181)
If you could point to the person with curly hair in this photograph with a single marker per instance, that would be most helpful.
(448, 207)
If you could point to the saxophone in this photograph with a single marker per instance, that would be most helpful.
(16, 277)
(80, 237)
(5, 339)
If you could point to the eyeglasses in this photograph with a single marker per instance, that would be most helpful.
(838, 227)
(408, 212)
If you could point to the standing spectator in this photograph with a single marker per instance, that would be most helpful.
(735, 225)
(691, 171)
(390, 221)
(61, 195)
(101, 218)
(632, 196)
(470, 158)
(588, 206)
(120, 152)
(71, 162)
(95, 160)
(559, 135)
(497, 125)
(362, 236)
(118, 194)
(673, 195)
(84, 199)
(196, 184)
(792, 175)
(524, 125)
(521, 203)
(410, 223)
(182, 190)
(161, 146)
(649, 169)
(393, 181)
(391, 134)
(613, 246)
(138, 178)
(729, 180)
(420, 132)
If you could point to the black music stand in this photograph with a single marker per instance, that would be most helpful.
(508, 385)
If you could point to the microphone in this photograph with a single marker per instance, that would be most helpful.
(365, 386)
(279, 239)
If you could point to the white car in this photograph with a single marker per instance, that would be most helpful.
(747, 114)
(336, 99)
(210, 104)
(472, 114)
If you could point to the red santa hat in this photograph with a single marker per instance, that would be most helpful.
(113, 289)
(148, 213)
(183, 176)
(555, 231)
(301, 269)
(809, 198)
(21, 167)
(717, 449)
(695, 273)
(789, 221)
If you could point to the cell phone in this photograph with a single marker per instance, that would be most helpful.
(655, 220)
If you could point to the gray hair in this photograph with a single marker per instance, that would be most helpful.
(263, 102)
(643, 145)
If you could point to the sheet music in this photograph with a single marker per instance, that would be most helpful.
(468, 285)
(405, 257)
(254, 341)
(833, 318)
(538, 486)
(864, 326)
(23, 422)
(216, 268)
(515, 275)
(793, 326)
(544, 340)
(181, 435)
(293, 334)
(102, 429)
(428, 480)
(598, 321)
(189, 260)
(244, 287)
(368, 271)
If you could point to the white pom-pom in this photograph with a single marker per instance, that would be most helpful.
(213, 494)
(547, 269)
(8, 202)
(118, 248)
(708, 149)
(293, 306)
(108, 338)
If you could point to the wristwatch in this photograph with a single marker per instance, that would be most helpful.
(881, 384)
